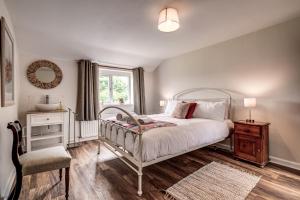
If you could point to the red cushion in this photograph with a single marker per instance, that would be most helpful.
(191, 110)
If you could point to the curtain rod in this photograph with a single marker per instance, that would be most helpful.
(112, 67)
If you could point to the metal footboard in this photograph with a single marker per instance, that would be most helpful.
(114, 135)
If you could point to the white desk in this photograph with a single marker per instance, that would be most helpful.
(44, 120)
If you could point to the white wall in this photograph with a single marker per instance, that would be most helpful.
(7, 114)
(66, 91)
(264, 64)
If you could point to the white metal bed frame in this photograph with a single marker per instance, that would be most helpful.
(107, 126)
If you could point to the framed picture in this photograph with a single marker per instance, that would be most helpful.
(7, 65)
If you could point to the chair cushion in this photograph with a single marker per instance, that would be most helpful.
(45, 160)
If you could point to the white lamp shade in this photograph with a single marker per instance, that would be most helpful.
(168, 20)
(162, 103)
(250, 102)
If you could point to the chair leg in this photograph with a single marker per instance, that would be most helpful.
(60, 174)
(18, 187)
(67, 177)
(11, 195)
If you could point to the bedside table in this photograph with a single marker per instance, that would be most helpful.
(251, 142)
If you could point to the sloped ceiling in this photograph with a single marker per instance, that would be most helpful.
(125, 31)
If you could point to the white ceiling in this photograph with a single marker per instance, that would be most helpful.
(125, 31)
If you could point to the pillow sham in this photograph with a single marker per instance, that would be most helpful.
(181, 110)
(210, 110)
(191, 110)
(171, 104)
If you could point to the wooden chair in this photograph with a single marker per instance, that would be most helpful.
(54, 158)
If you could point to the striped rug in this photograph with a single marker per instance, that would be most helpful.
(213, 181)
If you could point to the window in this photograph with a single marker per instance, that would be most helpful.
(115, 87)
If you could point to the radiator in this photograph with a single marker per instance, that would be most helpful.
(88, 129)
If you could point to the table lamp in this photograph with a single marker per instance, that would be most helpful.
(250, 103)
(162, 103)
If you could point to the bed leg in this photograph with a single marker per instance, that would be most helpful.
(140, 174)
(99, 147)
(231, 144)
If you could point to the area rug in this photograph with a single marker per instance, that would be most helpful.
(214, 181)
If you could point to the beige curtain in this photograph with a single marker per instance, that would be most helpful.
(88, 93)
(139, 91)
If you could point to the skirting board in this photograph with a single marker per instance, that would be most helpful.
(286, 163)
(88, 138)
(223, 146)
(273, 159)
(9, 184)
(83, 139)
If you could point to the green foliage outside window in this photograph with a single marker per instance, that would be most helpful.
(119, 90)
(104, 89)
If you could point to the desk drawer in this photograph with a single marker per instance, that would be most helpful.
(41, 119)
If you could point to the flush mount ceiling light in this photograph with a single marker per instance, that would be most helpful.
(168, 20)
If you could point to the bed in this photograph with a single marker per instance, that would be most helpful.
(139, 148)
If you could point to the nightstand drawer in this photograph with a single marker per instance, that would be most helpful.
(250, 130)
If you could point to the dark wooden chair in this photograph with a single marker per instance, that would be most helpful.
(54, 158)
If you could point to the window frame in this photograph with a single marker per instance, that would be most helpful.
(110, 74)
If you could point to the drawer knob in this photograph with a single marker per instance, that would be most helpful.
(48, 119)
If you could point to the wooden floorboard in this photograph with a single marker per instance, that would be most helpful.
(106, 177)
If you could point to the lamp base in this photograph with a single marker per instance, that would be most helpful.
(250, 120)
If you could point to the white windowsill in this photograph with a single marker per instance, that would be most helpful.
(113, 112)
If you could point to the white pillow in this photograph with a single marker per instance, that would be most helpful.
(210, 110)
(171, 105)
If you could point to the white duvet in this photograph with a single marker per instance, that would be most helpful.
(187, 135)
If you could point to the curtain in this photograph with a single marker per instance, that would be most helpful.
(139, 91)
(88, 93)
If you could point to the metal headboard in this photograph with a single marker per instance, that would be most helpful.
(219, 94)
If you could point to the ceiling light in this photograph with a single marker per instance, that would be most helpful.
(168, 20)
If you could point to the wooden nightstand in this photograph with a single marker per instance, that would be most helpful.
(251, 142)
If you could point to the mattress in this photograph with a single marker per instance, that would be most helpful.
(164, 141)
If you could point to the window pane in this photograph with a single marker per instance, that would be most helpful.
(104, 89)
(120, 89)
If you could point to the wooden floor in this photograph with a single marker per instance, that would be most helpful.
(105, 177)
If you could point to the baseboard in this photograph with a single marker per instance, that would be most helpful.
(223, 146)
(273, 159)
(9, 184)
(286, 163)
(88, 138)
(82, 139)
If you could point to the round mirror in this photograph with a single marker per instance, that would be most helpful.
(44, 74)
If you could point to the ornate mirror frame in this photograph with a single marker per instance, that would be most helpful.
(31, 74)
